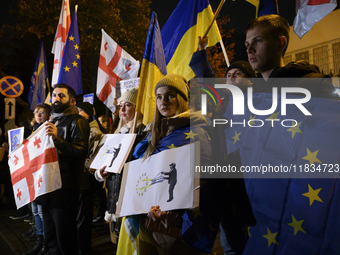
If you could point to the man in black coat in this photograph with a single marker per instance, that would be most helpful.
(172, 180)
(70, 134)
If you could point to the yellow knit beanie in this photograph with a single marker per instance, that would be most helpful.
(175, 81)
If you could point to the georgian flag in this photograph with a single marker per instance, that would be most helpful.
(60, 39)
(310, 12)
(34, 168)
(115, 64)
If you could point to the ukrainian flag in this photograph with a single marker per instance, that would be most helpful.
(189, 20)
(153, 69)
(264, 7)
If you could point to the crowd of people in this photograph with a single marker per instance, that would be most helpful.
(63, 218)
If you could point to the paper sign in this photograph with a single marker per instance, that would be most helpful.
(112, 152)
(125, 85)
(15, 138)
(165, 179)
(88, 98)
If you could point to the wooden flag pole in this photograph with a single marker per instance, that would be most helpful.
(48, 85)
(209, 27)
(215, 16)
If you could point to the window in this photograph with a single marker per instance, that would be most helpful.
(336, 57)
(320, 58)
(302, 56)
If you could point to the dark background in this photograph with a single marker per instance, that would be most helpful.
(239, 11)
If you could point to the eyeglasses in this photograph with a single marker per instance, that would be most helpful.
(40, 112)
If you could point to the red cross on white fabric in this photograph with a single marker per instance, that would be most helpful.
(39, 181)
(16, 160)
(55, 62)
(31, 166)
(128, 68)
(19, 195)
(108, 69)
(37, 142)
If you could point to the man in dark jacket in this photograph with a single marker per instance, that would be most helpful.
(171, 176)
(267, 39)
(234, 207)
(70, 133)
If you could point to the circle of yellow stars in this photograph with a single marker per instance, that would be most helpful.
(74, 63)
(141, 181)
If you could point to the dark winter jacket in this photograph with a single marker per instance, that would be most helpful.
(72, 145)
(320, 86)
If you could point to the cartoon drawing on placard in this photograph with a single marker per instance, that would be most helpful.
(144, 182)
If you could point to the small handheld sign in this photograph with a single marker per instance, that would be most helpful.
(88, 98)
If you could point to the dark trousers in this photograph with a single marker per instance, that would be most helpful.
(171, 190)
(99, 195)
(84, 221)
(59, 213)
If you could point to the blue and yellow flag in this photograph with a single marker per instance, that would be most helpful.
(70, 71)
(153, 69)
(292, 164)
(37, 92)
(264, 7)
(189, 20)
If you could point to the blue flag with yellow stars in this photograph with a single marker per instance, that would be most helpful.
(70, 71)
(290, 163)
(37, 91)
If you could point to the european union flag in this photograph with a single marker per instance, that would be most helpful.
(16, 136)
(296, 205)
(37, 91)
(70, 71)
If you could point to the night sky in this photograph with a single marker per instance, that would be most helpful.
(239, 11)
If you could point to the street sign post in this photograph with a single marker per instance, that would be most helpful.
(9, 108)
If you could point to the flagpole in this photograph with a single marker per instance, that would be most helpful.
(48, 97)
(215, 16)
(209, 27)
(224, 53)
(48, 86)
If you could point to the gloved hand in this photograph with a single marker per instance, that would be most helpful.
(109, 217)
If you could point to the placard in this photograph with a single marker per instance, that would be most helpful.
(15, 138)
(112, 152)
(166, 179)
(125, 85)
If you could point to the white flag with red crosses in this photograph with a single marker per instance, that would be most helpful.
(60, 39)
(34, 168)
(115, 64)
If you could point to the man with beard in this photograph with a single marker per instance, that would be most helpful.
(70, 133)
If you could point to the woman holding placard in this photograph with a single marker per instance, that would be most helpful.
(171, 128)
(127, 123)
